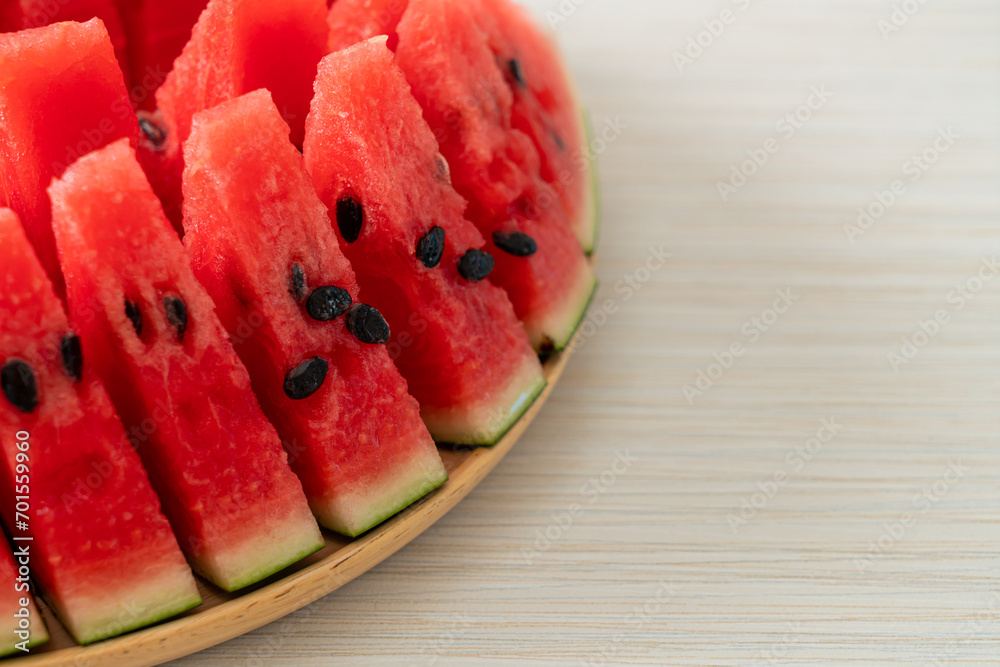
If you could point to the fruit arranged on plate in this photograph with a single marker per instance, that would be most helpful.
(475, 90)
(261, 242)
(104, 554)
(376, 166)
(150, 329)
(330, 238)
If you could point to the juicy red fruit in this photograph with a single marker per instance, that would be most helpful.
(236, 46)
(61, 96)
(86, 479)
(376, 164)
(150, 329)
(260, 242)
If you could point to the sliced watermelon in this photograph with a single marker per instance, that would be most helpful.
(22, 626)
(236, 46)
(21, 14)
(262, 244)
(157, 31)
(61, 96)
(544, 104)
(103, 552)
(545, 109)
(465, 357)
(468, 101)
(151, 331)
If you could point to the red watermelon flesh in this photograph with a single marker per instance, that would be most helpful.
(544, 103)
(157, 32)
(21, 14)
(22, 626)
(261, 242)
(545, 108)
(353, 21)
(61, 96)
(103, 552)
(465, 357)
(468, 103)
(236, 46)
(150, 329)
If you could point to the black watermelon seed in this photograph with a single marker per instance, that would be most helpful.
(350, 217)
(518, 244)
(328, 303)
(133, 313)
(177, 314)
(303, 380)
(430, 247)
(560, 144)
(515, 71)
(475, 264)
(298, 282)
(367, 324)
(153, 132)
(19, 385)
(72, 356)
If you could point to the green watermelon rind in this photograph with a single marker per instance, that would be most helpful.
(39, 634)
(581, 316)
(402, 496)
(510, 412)
(105, 629)
(275, 560)
(568, 325)
(402, 502)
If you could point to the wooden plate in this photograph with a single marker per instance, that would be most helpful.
(227, 615)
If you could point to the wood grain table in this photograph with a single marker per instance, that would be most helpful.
(780, 440)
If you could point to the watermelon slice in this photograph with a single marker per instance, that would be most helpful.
(157, 32)
(545, 108)
(236, 46)
(468, 101)
(22, 626)
(262, 244)
(151, 331)
(102, 551)
(61, 96)
(21, 14)
(465, 357)
(544, 105)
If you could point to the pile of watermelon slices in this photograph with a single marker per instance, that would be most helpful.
(256, 259)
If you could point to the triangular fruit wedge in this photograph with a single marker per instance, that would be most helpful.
(150, 329)
(22, 626)
(468, 101)
(61, 96)
(236, 46)
(375, 163)
(23, 14)
(157, 32)
(101, 549)
(261, 242)
(545, 106)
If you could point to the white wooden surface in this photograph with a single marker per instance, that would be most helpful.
(653, 569)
